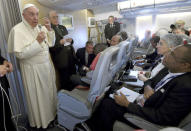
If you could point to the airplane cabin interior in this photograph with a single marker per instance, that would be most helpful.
(95, 65)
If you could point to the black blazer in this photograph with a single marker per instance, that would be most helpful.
(80, 54)
(110, 32)
(157, 78)
(169, 105)
(59, 35)
(62, 56)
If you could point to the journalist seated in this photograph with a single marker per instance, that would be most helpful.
(167, 105)
(166, 43)
(148, 61)
(76, 79)
(85, 55)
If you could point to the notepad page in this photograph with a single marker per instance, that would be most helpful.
(130, 95)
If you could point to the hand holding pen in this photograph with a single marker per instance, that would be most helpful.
(121, 100)
(41, 37)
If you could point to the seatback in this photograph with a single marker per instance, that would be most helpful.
(103, 72)
(132, 45)
(122, 55)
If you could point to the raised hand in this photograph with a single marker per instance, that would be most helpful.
(41, 37)
(47, 23)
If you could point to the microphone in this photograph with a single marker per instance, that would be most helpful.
(40, 28)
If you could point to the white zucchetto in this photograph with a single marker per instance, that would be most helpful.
(28, 5)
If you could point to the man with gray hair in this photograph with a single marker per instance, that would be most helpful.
(30, 43)
(116, 39)
(62, 53)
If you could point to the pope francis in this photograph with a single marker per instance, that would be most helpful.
(30, 43)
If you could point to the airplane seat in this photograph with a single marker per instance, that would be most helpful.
(121, 60)
(104, 73)
(122, 55)
(132, 45)
(185, 124)
(76, 106)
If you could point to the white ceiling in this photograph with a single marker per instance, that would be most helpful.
(72, 5)
(104, 6)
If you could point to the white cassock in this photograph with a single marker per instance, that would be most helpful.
(37, 72)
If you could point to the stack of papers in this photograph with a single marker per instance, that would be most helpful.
(130, 95)
(134, 73)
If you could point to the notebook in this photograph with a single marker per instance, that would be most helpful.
(130, 95)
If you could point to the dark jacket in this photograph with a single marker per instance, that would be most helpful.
(169, 105)
(80, 54)
(160, 75)
(62, 56)
(59, 33)
(110, 32)
(153, 60)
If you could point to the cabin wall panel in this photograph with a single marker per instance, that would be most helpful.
(80, 31)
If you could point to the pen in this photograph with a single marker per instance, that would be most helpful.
(126, 95)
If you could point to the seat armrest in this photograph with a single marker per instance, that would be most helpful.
(89, 74)
(86, 80)
(142, 123)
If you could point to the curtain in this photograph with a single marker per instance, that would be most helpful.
(9, 16)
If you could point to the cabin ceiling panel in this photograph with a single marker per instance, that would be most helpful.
(71, 5)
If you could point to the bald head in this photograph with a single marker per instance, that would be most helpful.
(53, 16)
(179, 59)
(116, 39)
(186, 53)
